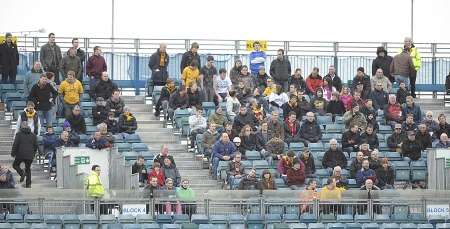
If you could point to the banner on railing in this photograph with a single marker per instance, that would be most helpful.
(249, 45)
(134, 209)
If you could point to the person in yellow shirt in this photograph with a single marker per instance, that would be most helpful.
(330, 193)
(191, 74)
(70, 89)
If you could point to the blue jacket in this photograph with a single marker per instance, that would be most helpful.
(415, 110)
(254, 68)
(363, 175)
(49, 140)
(220, 149)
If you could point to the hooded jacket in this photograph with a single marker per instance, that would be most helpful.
(383, 62)
(25, 145)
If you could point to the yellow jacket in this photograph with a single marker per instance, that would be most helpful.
(190, 75)
(94, 186)
(415, 55)
(71, 92)
(327, 194)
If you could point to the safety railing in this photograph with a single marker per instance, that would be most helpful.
(127, 59)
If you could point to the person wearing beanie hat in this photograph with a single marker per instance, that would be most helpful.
(30, 116)
(9, 59)
(383, 62)
(207, 75)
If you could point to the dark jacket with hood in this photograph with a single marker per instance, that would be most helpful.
(383, 62)
(25, 145)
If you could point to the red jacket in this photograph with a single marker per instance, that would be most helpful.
(95, 66)
(313, 83)
(160, 176)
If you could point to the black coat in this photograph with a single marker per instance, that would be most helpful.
(159, 73)
(103, 89)
(41, 97)
(9, 56)
(332, 159)
(25, 145)
(77, 123)
(187, 58)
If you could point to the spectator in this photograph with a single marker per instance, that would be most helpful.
(415, 56)
(6, 178)
(318, 103)
(76, 120)
(233, 105)
(430, 123)
(31, 79)
(111, 123)
(409, 124)
(346, 98)
(94, 185)
(393, 111)
(380, 78)
(71, 89)
(50, 57)
(335, 80)
(383, 62)
(249, 182)
(209, 138)
(442, 127)
(190, 56)
(244, 118)
(103, 88)
(164, 97)
(334, 156)
(127, 123)
(296, 176)
(163, 154)
(222, 85)
(96, 65)
(379, 95)
(444, 142)
(286, 162)
(235, 71)
(158, 64)
(411, 148)
(308, 161)
(402, 93)
(365, 173)
(115, 103)
(341, 181)
(354, 117)
(235, 171)
(423, 136)
(43, 95)
(30, 116)
(374, 160)
(171, 171)
(140, 168)
(79, 52)
(257, 58)
(178, 100)
(222, 151)
(71, 62)
(218, 117)
(310, 131)
(356, 164)
(292, 129)
(207, 75)
(275, 147)
(402, 67)
(23, 150)
(275, 126)
(297, 80)
(190, 74)
(394, 141)
(370, 137)
(280, 69)
(195, 95)
(157, 172)
(313, 81)
(97, 142)
(197, 124)
(351, 139)
(100, 111)
(187, 196)
(385, 175)
(335, 106)
(267, 181)
(103, 129)
(361, 78)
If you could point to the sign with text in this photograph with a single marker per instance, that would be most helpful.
(134, 209)
(438, 209)
(82, 160)
(249, 45)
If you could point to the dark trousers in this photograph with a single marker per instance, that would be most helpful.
(412, 82)
(9, 75)
(27, 172)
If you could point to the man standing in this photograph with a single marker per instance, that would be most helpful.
(257, 58)
(190, 56)
(71, 62)
(280, 69)
(50, 57)
(24, 147)
(9, 59)
(336, 81)
(382, 61)
(96, 65)
(207, 75)
(159, 61)
(402, 67)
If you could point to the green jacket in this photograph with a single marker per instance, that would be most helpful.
(94, 186)
(187, 195)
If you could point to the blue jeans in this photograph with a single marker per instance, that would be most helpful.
(47, 116)
(405, 79)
